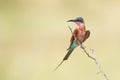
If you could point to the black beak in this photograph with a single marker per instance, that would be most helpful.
(71, 20)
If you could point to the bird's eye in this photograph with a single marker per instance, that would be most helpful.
(77, 20)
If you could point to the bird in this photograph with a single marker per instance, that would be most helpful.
(79, 35)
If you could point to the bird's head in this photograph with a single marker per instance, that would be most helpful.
(78, 19)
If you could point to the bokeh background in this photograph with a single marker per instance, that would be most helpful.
(34, 36)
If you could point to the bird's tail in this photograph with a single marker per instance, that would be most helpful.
(59, 65)
(65, 58)
(68, 54)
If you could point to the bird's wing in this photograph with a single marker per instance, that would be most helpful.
(73, 38)
(87, 34)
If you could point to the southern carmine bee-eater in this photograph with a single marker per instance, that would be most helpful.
(79, 35)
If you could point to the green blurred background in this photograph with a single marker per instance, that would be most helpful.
(34, 36)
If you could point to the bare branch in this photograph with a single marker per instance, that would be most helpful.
(91, 57)
(97, 63)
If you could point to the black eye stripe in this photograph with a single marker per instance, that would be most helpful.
(78, 20)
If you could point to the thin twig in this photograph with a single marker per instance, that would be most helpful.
(93, 58)
(97, 63)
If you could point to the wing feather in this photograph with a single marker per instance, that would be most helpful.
(87, 34)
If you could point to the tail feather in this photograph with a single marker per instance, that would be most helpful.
(58, 65)
(65, 58)
(68, 54)
(70, 50)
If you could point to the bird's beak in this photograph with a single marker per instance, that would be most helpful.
(71, 20)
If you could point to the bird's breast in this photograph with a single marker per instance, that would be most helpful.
(80, 35)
